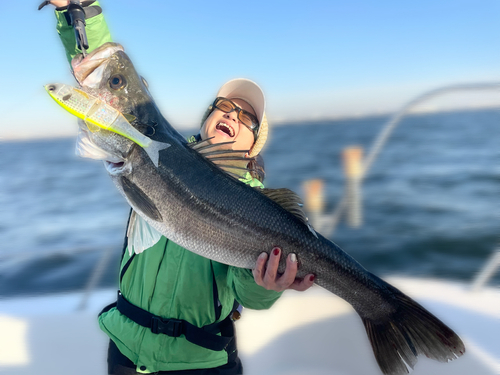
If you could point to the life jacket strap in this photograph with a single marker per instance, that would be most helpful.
(206, 337)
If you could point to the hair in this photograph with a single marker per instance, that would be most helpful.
(256, 167)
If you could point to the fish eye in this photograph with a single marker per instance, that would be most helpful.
(145, 82)
(117, 82)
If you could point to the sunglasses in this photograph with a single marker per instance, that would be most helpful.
(246, 118)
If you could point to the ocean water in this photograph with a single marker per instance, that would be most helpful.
(430, 201)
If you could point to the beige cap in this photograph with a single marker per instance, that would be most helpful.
(247, 90)
(250, 92)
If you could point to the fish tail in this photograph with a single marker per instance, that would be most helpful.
(409, 331)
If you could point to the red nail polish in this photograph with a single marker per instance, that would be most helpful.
(312, 277)
(276, 251)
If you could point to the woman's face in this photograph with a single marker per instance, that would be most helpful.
(226, 127)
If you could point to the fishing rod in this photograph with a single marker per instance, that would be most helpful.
(76, 18)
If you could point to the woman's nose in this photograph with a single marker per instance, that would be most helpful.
(231, 116)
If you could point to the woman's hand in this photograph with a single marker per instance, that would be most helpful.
(266, 274)
(59, 3)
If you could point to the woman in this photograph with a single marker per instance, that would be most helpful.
(173, 304)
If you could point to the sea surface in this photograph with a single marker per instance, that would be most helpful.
(430, 200)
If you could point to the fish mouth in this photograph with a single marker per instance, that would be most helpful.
(119, 165)
(115, 161)
(225, 128)
(117, 168)
(89, 70)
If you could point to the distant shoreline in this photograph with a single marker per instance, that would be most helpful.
(277, 122)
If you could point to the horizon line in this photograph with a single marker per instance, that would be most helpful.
(282, 122)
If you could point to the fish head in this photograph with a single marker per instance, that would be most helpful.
(108, 74)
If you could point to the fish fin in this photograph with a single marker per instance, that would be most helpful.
(234, 175)
(409, 331)
(234, 171)
(200, 144)
(311, 229)
(130, 118)
(153, 151)
(140, 234)
(235, 165)
(291, 202)
(233, 162)
(227, 166)
(131, 221)
(139, 200)
(205, 145)
(86, 148)
(92, 127)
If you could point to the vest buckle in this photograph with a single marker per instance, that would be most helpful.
(169, 327)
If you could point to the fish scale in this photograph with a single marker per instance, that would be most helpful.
(196, 204)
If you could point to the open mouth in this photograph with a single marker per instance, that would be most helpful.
(88, 71)
(225, 128)
(115, 168)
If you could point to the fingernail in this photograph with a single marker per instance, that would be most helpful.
(293, 257)
(312, 277)
(263, 256)
(276, 251)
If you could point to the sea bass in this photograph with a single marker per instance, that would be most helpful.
(193, 198)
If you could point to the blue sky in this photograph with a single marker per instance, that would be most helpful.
(314, 60)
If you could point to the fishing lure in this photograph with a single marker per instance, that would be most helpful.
(95, 112)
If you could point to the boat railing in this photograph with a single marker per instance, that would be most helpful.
(329, 222)
(326, 223)
(488, 271)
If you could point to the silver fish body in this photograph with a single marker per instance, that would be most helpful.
(194, 203)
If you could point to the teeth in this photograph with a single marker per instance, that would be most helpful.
(229, 129)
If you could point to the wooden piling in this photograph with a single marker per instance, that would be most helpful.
(314, 202)
(353, 168)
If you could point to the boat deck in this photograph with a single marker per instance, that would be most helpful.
(311, 333)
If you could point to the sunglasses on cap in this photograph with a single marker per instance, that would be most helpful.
(246, 118)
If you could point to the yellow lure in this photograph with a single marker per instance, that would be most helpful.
(95, 112)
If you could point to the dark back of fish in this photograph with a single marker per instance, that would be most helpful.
(194, 203)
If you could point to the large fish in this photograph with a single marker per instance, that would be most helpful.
(190, 197)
